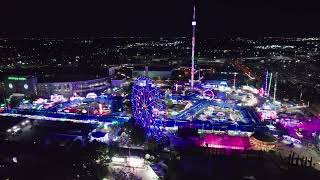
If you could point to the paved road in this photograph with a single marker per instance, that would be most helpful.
(70, 117)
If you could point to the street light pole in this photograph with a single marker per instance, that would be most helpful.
(275, 88)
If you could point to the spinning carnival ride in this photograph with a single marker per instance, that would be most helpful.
(208, 94)
(148, 106)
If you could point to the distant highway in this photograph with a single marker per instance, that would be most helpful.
(247, 71)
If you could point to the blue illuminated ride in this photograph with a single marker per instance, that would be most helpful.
(148, 106)
(208, 94)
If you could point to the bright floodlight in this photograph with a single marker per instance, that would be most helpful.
(25, 86)
(194, 23)
(118, 160)
(91, 95)
(15, 160)
(135, 162)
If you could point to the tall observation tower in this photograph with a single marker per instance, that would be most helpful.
(193, 46)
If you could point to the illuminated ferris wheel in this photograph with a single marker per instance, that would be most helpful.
(148, 106)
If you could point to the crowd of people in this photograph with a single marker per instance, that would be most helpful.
(121, 175)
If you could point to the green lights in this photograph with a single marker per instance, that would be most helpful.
(115, 122)
(16, 78)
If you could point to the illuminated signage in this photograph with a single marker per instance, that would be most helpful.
(15, 78)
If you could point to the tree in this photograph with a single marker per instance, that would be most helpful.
(152, 145)
(169, 103)
(136, 132)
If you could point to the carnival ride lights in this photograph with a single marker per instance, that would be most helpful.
(208, 94)
(76, 97)
(99, 136)
(92, 95)
(268, 114)
(40, 101)
(301, 128)
(57, 98)
(176, 86)
(188, 105)
(250, 100)
(148, 107)
(261, 91)
(251, 89)
(100, 109)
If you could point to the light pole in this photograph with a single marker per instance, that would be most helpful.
(275, 88)
(234, 79)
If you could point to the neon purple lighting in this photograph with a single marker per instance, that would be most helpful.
(261, 91)
(301, 128)
(208, 93)
(266, 83)
(147, 105)
(267, 114)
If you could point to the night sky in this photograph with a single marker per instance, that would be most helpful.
(160, 17)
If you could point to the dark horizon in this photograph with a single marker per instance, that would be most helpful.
(160, 18)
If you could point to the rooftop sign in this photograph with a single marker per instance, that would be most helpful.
(16, 78)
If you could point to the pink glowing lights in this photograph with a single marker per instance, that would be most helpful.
(268, 114)
(225, 142)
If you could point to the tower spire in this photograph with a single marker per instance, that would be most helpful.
(275, 87)
(270, 81)
(193, 46)
(266, 83)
